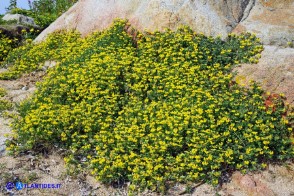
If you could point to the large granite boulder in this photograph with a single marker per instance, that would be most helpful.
(212, 17)
(271, 20)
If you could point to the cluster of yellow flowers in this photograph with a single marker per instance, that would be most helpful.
(6, 45)
(2, 92)
(30, 56)
(162, 110)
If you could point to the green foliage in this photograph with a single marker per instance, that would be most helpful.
(12, 4)
(2, 92)
(30, 56)
(5, 105)
(152, 108)
(56, 7)
(6, 45)
(45, 12)
(21, 11)
(4, 22)
(10, 41)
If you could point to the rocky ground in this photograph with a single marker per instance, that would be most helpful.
(274, 72)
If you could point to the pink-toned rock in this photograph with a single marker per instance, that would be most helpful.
(271, 20)
(212, 17)
(247, 185)
(274, 72)
(262, 190)
(246, 182)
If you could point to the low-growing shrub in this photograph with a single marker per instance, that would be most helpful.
(11, 39)
(151, 109)
(6, 45)
(2, 92)
(5, 105)
(30, 56)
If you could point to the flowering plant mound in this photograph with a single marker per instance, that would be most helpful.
(152, 108)
(11, 40)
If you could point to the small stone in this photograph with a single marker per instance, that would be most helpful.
(25, 88)
(48, 64)
(2, 150)
(21, 19)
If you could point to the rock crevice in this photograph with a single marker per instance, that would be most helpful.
(247, 10)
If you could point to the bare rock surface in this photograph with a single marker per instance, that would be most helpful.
(33, 169)
(17, 91)
(275, 180)
(211, 17)
(274, 72)
(271, 20)
(22, 88)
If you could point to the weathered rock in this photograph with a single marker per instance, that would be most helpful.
(20, 19)
(271, 20)
(246, 182)
(204, 189)
(276, 180)
(212, 17)
(274, 72)
(247, 185)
